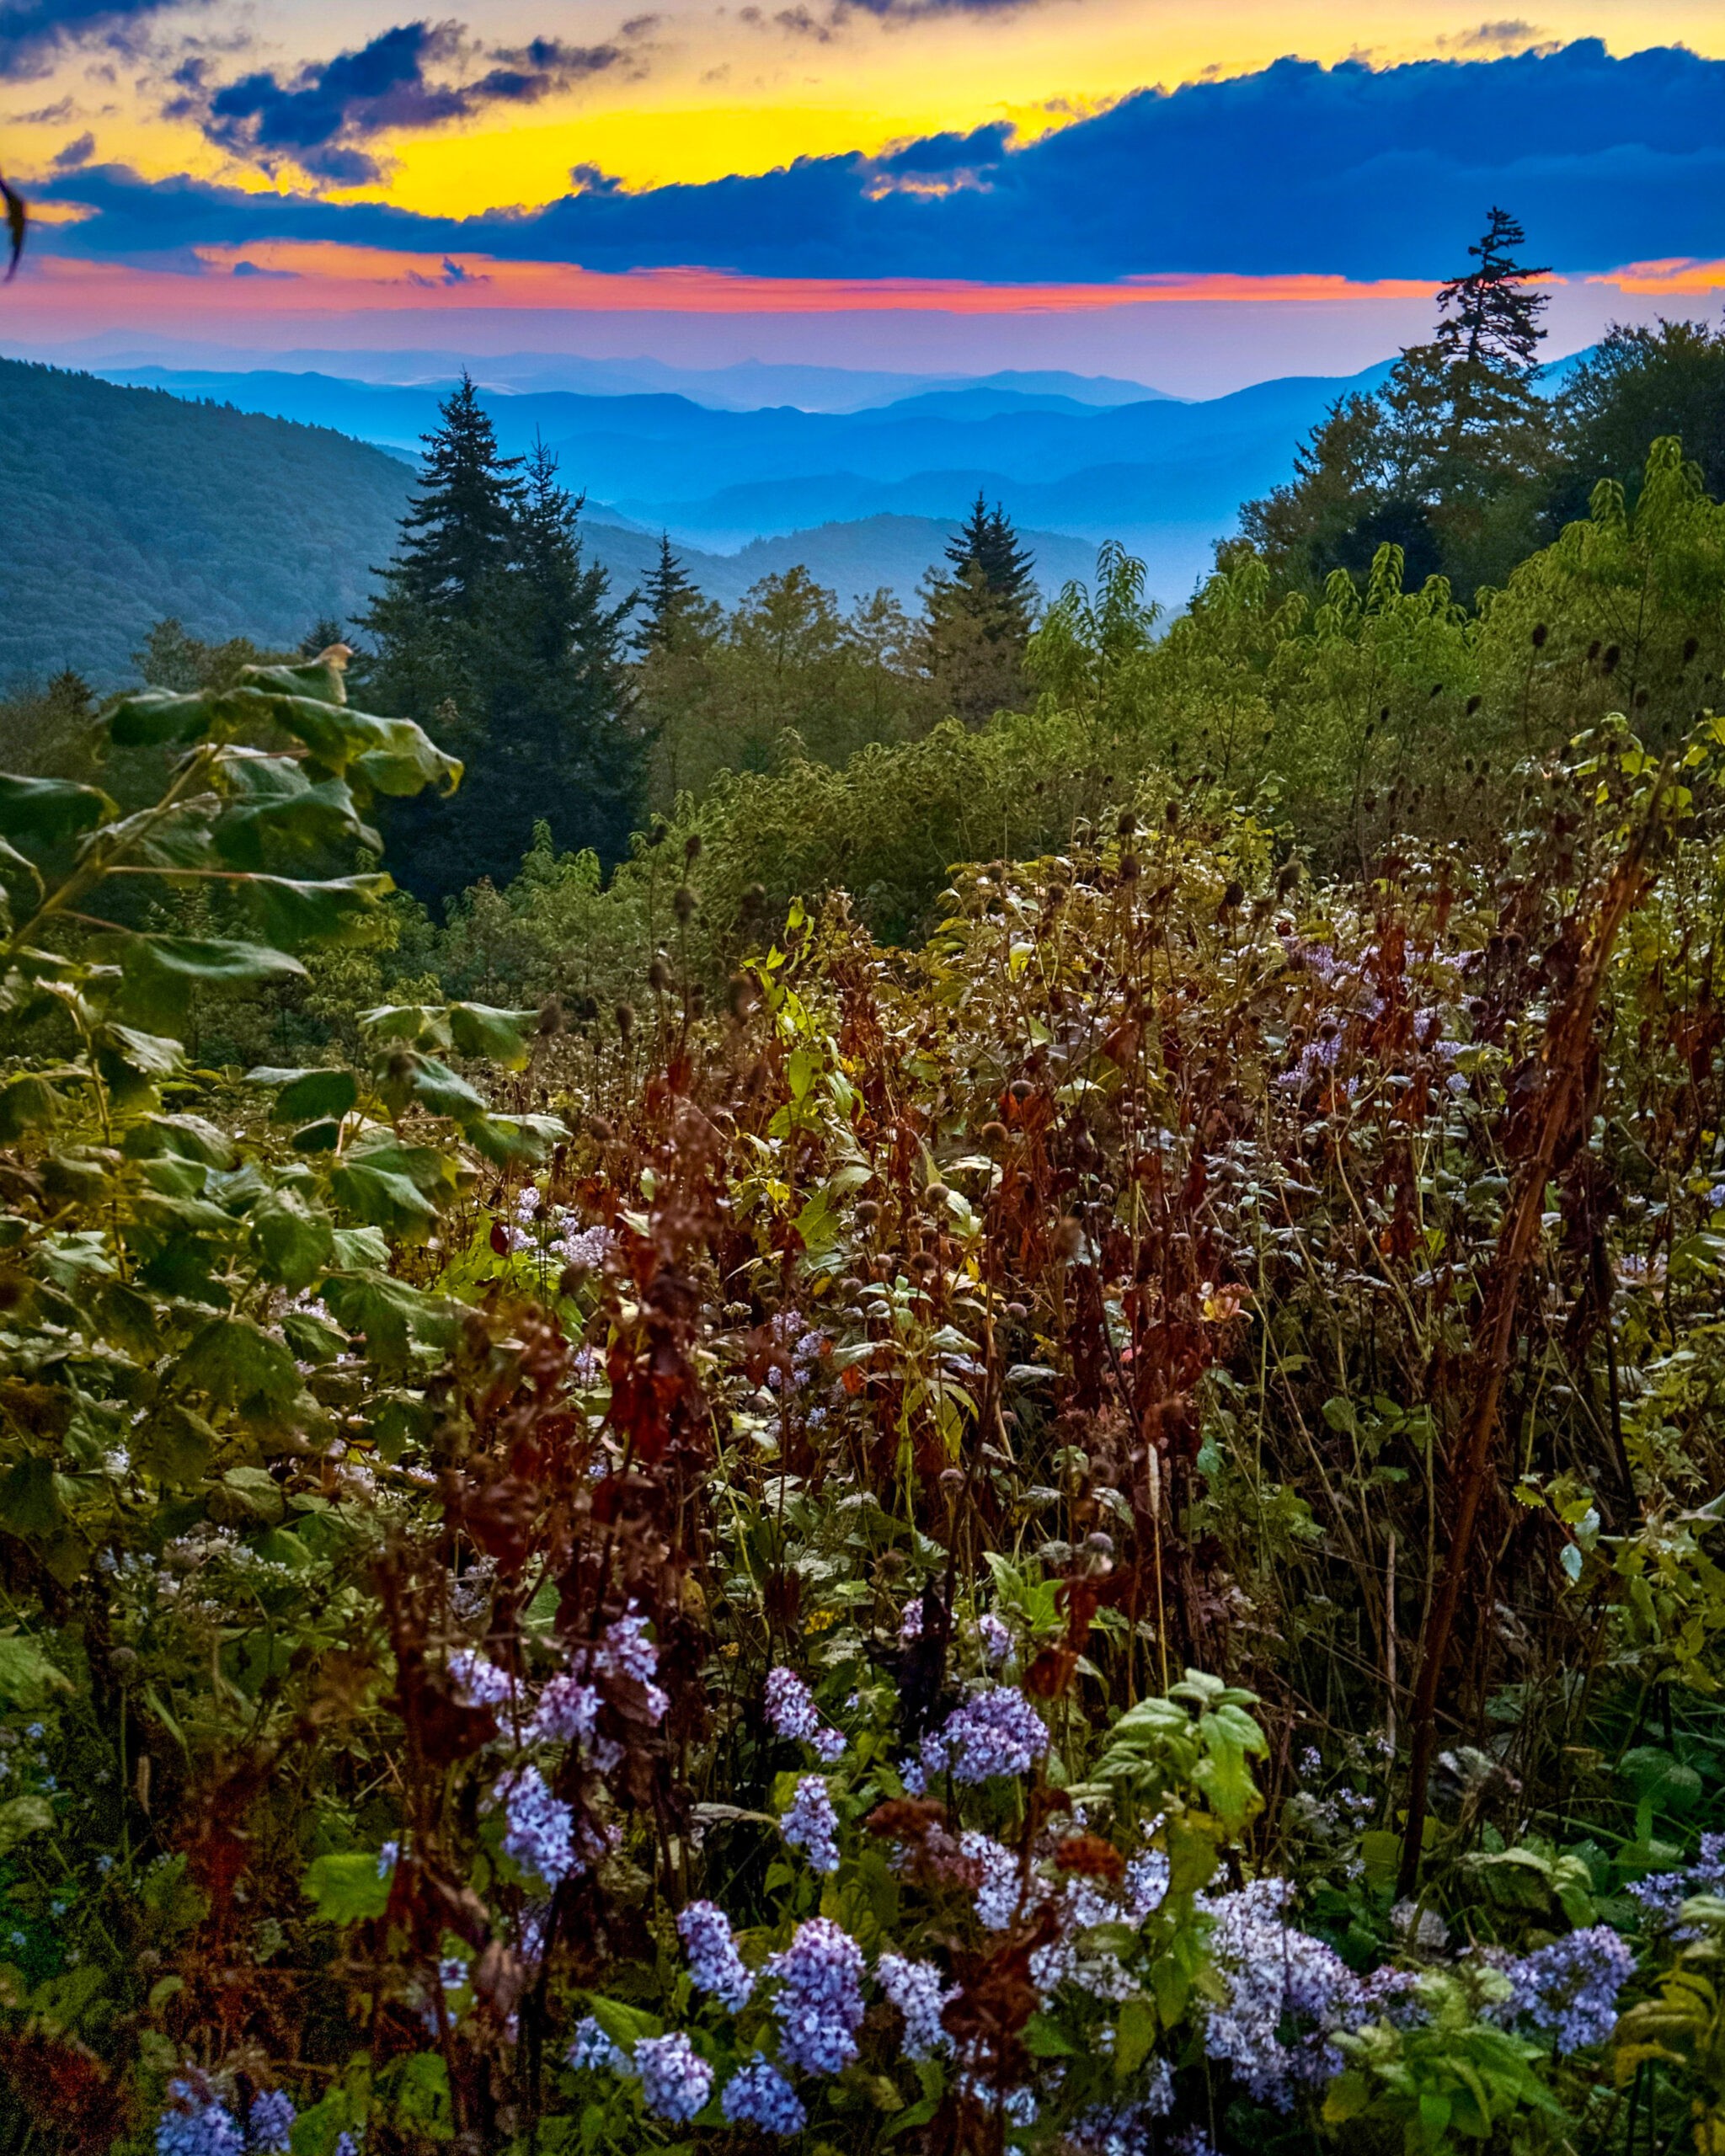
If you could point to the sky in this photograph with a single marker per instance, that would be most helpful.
(1190, 196)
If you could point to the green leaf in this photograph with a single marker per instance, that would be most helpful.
(1134, 2034)
(385, 1184)
(238, 1364)
(176, 1445)
(347, 1887)
(149, 716)
(499, 1036)
(29, 1102)
(46, 812)
(306, 1093)
(302, 913)
(209, 960)
(255, 1493)
(29, 1498)
(390, 1314)
(293, 1242)
(22, 1817)
(27, 1677)
(390, 756)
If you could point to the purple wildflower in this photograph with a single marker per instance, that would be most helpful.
(811, 1825)
(676, 2080)
(914, 1988)
(270, 2123)
(1568, 1990)
(715, 1966)
(478, 1683)
(540, 1834)
(758, 2094)
(791, 1709)
(567, 1711)
(819, 2004)
(198, 2124)
(592, 2052)
(996, 1732)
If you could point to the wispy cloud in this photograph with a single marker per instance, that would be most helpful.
(34, 33)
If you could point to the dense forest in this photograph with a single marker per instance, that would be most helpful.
(933, 1379)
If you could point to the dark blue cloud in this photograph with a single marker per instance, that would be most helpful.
(32, 32)
(1346, 170)
(320, 119)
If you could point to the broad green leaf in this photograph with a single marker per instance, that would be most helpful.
(499, 1036)
(28, 1102)
(27, 1677)
(306, 1093)
(390, 1313)
(30, 1502)
(293, 1242)
(348, 1887)
(149, 715)
(46, 812)
(176, 1445)
(238, 1364)
(306, 913)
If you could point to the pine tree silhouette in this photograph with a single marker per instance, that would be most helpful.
(461, 524)
(667, 597)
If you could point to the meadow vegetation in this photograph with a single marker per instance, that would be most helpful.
(993, 1421)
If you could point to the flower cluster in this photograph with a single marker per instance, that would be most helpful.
(676, 2080)
(915, 1987)
(540, 1832)
(715, 1966)
(792, 1713)
(270, 2122)
(1568, 1990)
(197, 2125)
(819, 2008)
(758, 2094)
(811, 1824)
(1276, 1976)
(1126, 2129)
(567, 1713)
(996, 1732)
(1662, 1895)
(592, 2052)
(477, 1682)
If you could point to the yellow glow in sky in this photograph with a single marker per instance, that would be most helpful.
(711, 92)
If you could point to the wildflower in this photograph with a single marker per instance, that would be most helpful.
(715, 1966)
(1275, 1975)
(478, 1683)
(1568, 1990)
(914, 1988)
(540, 1836)
(592, 2052)
(910, 1621)
(676, 2080)
(1125, 2129)
(566, 1712)
(758, 2094)
(1003, 1886)
(346, 2144)
(198, 2124)
(819, 2004)
(811, 1825)
(792, 1713)
(388, 1859)
(996, 1639)
(270, 2122)
(998, 1733)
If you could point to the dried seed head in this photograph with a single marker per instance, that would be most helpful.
(625, 1016)
(691, 847)
(682, 903)
(1539, 633)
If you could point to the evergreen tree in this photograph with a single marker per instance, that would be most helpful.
(490, 620)
(461, 524)
(977, 620)
(668, 598)
(1450, 461)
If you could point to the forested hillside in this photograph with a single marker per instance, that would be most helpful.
(966, 1395)
(122, 506)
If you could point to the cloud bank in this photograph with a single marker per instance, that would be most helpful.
(1347, 171)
